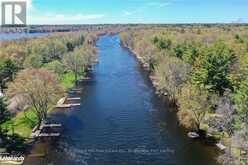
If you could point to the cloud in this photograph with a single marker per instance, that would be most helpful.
(146, 5)
(127, 13)
(158, 4)
(240, 20)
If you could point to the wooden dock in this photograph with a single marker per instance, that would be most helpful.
(85, 78)
(40, 132)
(67, 105)
(73, 98)
(76, 89)
(50, 125)
(49, 135)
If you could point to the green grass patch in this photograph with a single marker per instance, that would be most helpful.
(204, 126)
(235, 152)
(22, 124)
(67, 80)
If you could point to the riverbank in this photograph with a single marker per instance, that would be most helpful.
(49, 57)
(207, 138)
(202, 73)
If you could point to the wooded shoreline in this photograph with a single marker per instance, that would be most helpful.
(174, 57)
(58, 75)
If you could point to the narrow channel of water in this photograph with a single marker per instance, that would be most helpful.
(121, 121)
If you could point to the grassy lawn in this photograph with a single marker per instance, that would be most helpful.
(23, 123)
(67, 80)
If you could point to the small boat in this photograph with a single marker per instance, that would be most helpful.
(193, 135)
(165, 94)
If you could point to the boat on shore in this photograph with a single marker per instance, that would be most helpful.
(193, 135)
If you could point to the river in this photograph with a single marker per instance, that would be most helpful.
(121, 121)
(17, 36)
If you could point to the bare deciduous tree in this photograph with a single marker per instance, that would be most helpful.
(193, 104)
(39, 89)
(172, 73)
(226, 110)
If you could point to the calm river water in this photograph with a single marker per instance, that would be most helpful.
(121, 121)
(17, 36)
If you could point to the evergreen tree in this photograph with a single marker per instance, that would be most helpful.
(4, 114)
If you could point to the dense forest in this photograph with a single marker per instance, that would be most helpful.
(203, 70)
(34, 74)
